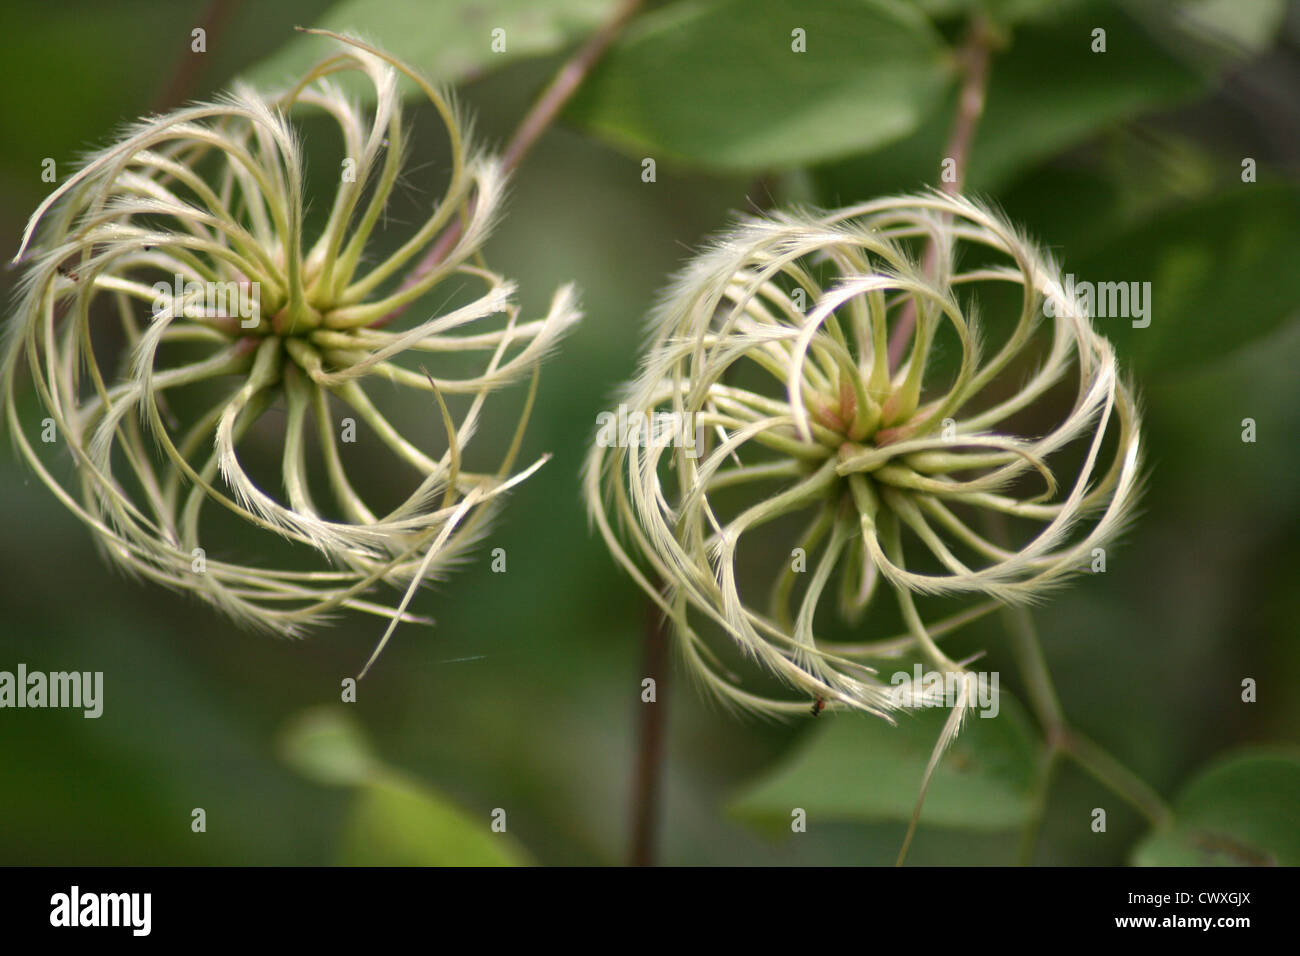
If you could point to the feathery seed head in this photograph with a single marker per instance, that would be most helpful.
(837, 368)
(172, 298)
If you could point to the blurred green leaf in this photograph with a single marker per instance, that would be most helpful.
(1252, 26)
(1000, 12)
(325, 746)
(449, 41)
(1051, 90)
(1218, 32)
(1047, 91)
(1221, 272)
(396, 821)
(1241, 811)
(861, 768)
(719, 85)
(1234, 27)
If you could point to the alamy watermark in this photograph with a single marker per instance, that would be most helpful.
(658, 429)
(1107, 300)
(75, 908)
(73, 689)
(922, 688)
(209, 300)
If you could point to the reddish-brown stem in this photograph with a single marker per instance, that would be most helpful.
(565, 84)
(535, 122)
(970, 107)
(973, 58)
(652, 723)
(184, 78)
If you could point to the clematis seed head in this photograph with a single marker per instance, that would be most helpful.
(179, 320)
(907, 381)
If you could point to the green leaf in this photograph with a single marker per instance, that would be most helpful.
(1053, 91)
(1251, 26)
(449, 41)
(1047, 91)
(1221, 272)
(1222, 31)
(399, 823)
(999, 12)
(719, 85)
(1241, 811)
(861, 768)
(326, 747)
(395, 821)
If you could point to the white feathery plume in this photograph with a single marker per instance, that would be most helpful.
(772, 345)
(157, 397)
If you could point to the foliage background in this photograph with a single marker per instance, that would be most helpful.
(1126, 163)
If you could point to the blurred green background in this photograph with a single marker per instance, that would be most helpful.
(1126, 163)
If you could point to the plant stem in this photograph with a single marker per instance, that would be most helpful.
(184, 78)
(565, 84)
(1047, 707)
(651, 724)
(1063, 739)
(973, 58)
(1038, 810)
(1115, 776)
(535, 122)
(1038, 679)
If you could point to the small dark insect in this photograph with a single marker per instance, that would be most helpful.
(66, 272)
(818, 706)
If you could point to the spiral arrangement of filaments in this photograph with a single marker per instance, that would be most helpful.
(172, 298)
(832, 369)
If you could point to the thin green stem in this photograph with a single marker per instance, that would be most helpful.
(1063, 739)
(1038, 679)
(1116, 777)
(1038, 807)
